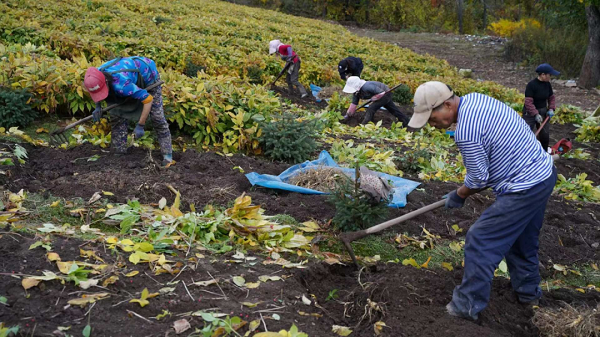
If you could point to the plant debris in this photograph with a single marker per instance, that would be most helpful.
(320, 178)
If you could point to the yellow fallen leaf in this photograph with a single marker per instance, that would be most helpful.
(341, 330)
(378, 327)
(101, 210)
(51, 256)
(313, 314)
(250, 304)
(107, 193)
(424, 265)
(41, 130)
(133, 273)
(55, 204)
(252, 285)
(580, 290)
(64, 267)
(109, 206)
(270, 334)
(447, 266)
(112, 240)
(110, 280)
(88, 298)
(142, 300)
(410, 262)
(29, 283)
(594, 266)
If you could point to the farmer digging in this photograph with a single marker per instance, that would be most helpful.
(500, 152)
(378, 92)
(350, 66)
(123, 80)
(292, 62)
(540, 102)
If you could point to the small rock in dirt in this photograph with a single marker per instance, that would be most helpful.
(595, 245)
(466, 73)
(571, 83)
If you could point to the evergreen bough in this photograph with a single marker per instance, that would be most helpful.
(354, 209)
(289, 140)
(14, 108)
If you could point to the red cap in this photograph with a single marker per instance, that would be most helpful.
(95, 84)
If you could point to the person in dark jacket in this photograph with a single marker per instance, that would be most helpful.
(377, 92)
(540, 102)
(350, 66)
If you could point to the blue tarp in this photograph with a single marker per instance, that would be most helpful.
(402, 187)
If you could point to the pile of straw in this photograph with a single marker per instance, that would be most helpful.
(568, 321)
(320, 178)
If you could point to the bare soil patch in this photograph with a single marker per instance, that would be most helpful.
(411, 302)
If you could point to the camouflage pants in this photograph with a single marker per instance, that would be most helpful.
(120, 126)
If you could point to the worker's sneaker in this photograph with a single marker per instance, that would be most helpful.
(167, 163)
(304, 96)
(453, 311)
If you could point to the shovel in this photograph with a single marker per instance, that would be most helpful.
(287, 66)
(58, 136)
(542, 126)
(347, 238)
(370, 101)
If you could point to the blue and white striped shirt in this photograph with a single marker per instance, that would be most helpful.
(498, 148)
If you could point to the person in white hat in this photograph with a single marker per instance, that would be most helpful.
(500, 152)
(287, 54)
(377, 92)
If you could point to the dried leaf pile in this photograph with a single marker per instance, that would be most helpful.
(320, 178)
(568, 321)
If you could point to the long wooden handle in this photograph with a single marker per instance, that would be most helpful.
(405, 217)
(371, 100)
(282, 72)
(542, 126)
(108, 108)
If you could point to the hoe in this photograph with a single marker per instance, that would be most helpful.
(58, 136)
(347, 238)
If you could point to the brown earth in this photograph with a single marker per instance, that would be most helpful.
(204, 178)
(412, 301)
(485, 58)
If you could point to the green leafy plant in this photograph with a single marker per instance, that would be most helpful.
(578, 188)
(402, 95)
(354, 209)
(412, 161)
(192, 68)
(365, 154)
(589, 131)
(15, 109)
(288, 139)
(332, 295)
(224, 326)
(5, 332)
(567, 114)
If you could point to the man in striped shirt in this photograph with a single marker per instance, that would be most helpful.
(500, 152)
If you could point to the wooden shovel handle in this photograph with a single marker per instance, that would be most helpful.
(349, 237)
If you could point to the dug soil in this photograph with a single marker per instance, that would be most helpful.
(409, 301)
(570, 234)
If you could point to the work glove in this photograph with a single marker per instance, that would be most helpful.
(97, 113)
(351, 111)
(550, 113)
(453, 200)
(138, 132)
(378, 96)
(539, 119)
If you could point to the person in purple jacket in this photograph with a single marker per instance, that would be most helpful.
(123, 80)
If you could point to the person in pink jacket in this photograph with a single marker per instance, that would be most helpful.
(287, 54)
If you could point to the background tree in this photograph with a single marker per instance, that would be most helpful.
(590, 71)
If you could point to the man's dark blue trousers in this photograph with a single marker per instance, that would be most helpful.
(508, 229)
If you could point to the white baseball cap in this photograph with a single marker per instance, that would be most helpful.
(353, 84)
(273, 45)
(428, 96)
